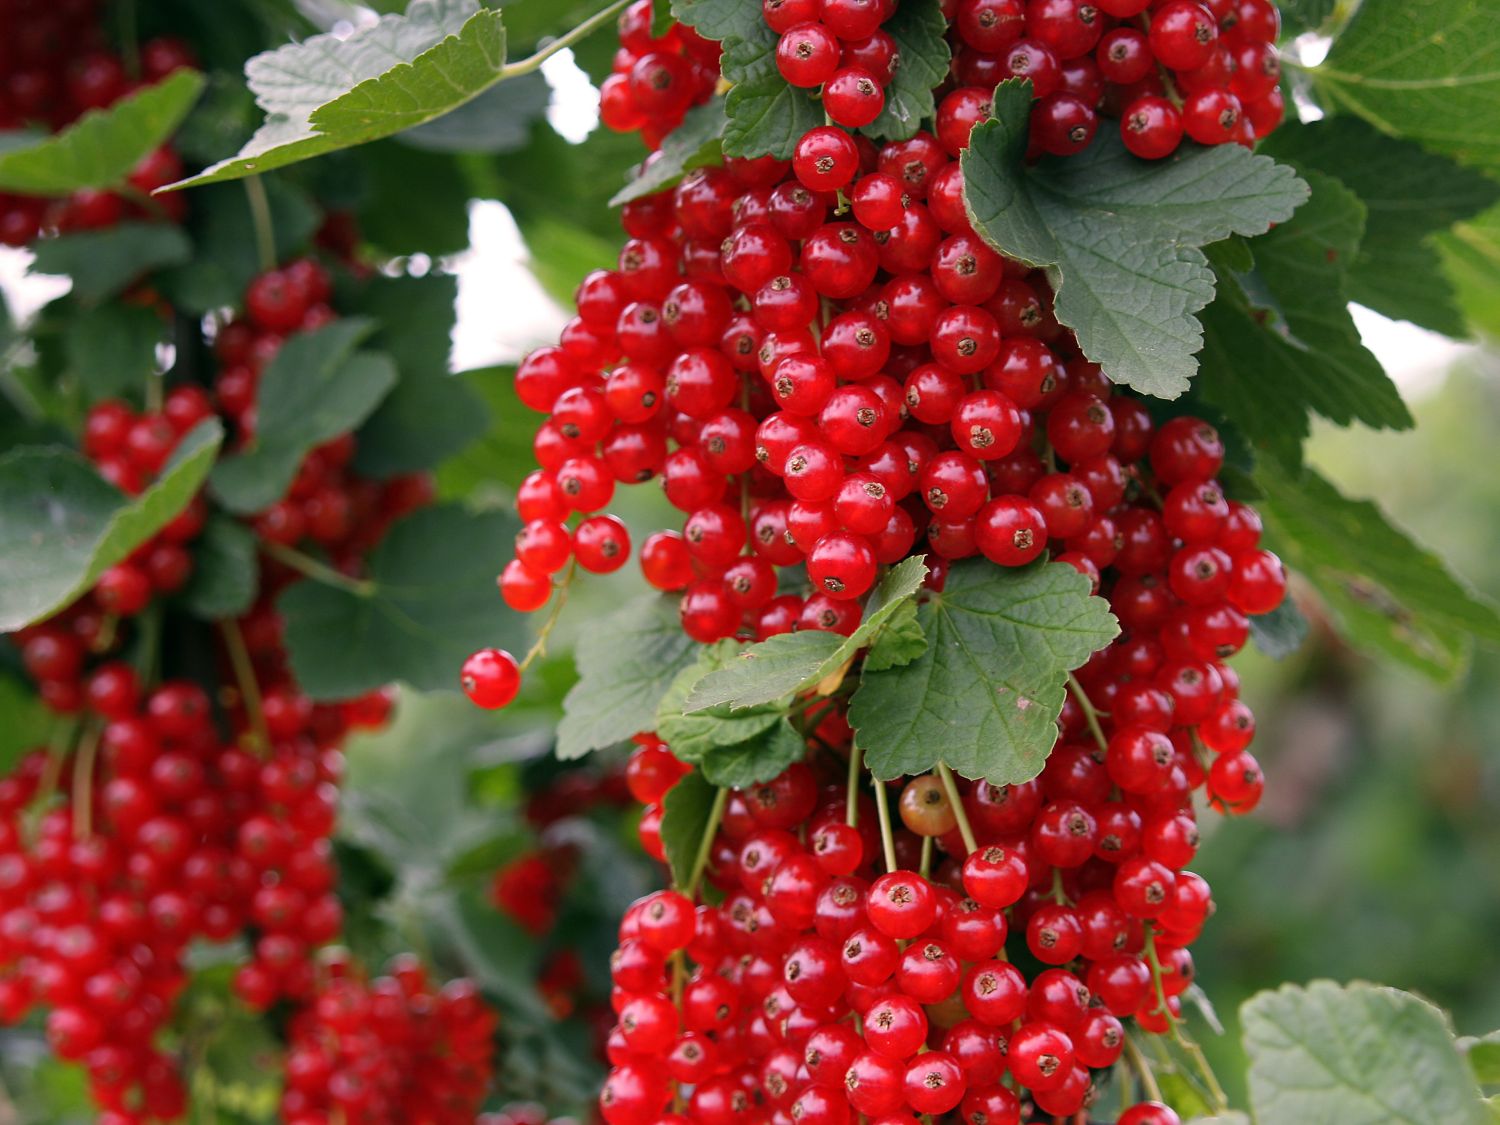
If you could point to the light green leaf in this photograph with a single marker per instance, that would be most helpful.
(102, 147)
(103, 263)
(899, 643)
(626, 663)
(1483, 1054)
(62, 525)
(985, 695)
(790, 663)
(1409, 195)
(316, 388)
(428, 603)
(1471, 258)
(328, 93)
(919, 30)
(1355, 1054)
(697, 142)
(1391, 595)
(500, 120)
(767, 115)
(1281, 632)
(1428, 72)
(685, 813)
(226, 572)
(1120, 237)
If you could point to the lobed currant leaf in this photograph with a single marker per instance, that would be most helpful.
(1426, 72)
(626, 663)
(985, 695)
(316, 388)
(919, 28)
(1281, 632)
(1267, 366)
(104, 263)
(718, 19)
(790, 663)
(102, 147)
(1391, 595)
(1397, 270)
(685, 813)
(62, 525)
(1119, 236)
(226, 571)
(899, 643)
(427, 603)
(1358, 1054)
(328, 93)
(767, 115)
(697, 142)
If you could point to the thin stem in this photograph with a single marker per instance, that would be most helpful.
(260, 217)
(887, 839)
(567, 39)
(926, 869)
(1142, 1068)
(59, 746)
(950, 786)
(851, 795)
(706, 845)
(1161, 989)
(83, 783)
(318, 571)
(539, 646)
(244, 676)
(1090, 715)
(1180, 1037)
(1059, 895)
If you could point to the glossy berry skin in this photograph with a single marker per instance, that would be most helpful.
(491, 678)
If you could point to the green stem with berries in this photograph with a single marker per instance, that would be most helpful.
(244, 677)
(706, 845)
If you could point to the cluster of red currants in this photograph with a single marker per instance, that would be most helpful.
(392, 1049)
(837, 46)
(655, 81)
(984, 952)
(55, 64)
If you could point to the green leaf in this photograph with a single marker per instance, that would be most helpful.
(428, 603)
(685, 813)
(1356, 1054)
(697, 142)
(1471, 258)
(1267, 367)
(1409, 195)
(102, 147)
(1483, 1054)
(790, 663)
(899, 643)
(1298, 16)
(25, 721)
(103, 263)
(1120, 237)
(920, 30)
(757, 759)
(1426, 72)
(328, 93)
(396, 173)
(62, 525)
(225, 256)
(985, 695)
(226, 573)
(1281, 632)
(1390, 595)
(719, 19)
(316, 388)
(626, 663)
(767, 115)
(111, 348)
(501, 458)
(495, 122)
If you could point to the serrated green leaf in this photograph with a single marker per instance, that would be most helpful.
(495, 122)
(328, 93)
(985, 695)
(757, 759)
(693, 735)
(719, 19)
(1281, 632)
(225, 257)
(1298, 16)
(103, 263)
(697, 142)
(685, 813)
(1427, 72)
(899, 643)
(1409, 195)
(1356, 1054)
(790, 663)
(316, 388)
(919, 29)
(62, 524)
(102, 147)
(226, 572)
(1120, 237)
(111, 348)
(1268, 367)
(767, 115)
(429, 602)
(1471, 258)
(626, 663)
(1483, 1053)
(1390, 595)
